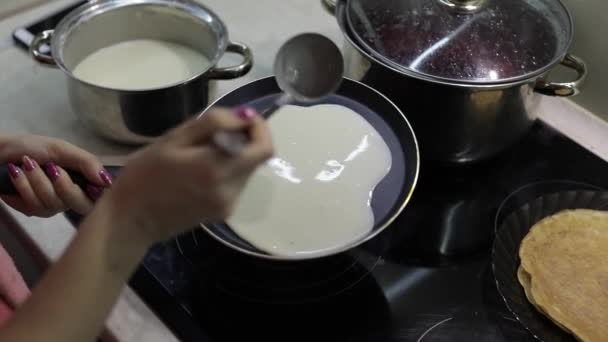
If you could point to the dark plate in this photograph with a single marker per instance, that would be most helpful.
(513, 225)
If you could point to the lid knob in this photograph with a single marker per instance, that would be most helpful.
(464, 5)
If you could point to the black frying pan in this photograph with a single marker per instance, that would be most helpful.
(394, 191)
(390, 196)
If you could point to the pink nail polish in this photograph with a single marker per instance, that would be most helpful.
(52, 171)
(105, 177)
(246, 113)
(13, 171)
(94, 192)
(28, 164)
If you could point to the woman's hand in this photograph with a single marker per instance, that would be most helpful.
(183, 179)
(167, 187)
(44, 187)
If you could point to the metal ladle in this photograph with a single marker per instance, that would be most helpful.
(307, 68)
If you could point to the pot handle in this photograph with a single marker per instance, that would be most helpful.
(565, 89)
(237, 70)
(42, 38)
(330, 6)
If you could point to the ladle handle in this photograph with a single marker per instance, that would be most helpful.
(281, 101)
(231, 142)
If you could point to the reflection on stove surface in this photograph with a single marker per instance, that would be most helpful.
(359, 313)
(239, 297)
(356, 296)
(267, 281)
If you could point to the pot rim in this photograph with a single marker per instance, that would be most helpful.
(340, 15)
(98, 7)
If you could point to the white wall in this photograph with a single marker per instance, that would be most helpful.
(591, 44)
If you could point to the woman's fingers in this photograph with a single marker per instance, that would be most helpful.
(45, 191)
(77, 159)
(44, 150)
(30, 203)
(71, 195)
(41, 182)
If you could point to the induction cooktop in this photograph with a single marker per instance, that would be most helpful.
(426, 278)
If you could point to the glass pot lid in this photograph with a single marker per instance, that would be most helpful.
(463, 41)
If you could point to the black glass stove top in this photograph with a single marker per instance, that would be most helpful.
(426, 278)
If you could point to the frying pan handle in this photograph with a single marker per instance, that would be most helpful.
(7, 188)
(330, 6)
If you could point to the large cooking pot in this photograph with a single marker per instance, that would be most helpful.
(467, 72)
(138, 116)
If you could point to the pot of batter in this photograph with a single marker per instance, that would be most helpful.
(137, 68)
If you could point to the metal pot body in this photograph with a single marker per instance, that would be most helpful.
(136, 117)
(139, 116)
(456, 122)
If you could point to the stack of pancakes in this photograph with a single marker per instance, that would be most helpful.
(564, 271)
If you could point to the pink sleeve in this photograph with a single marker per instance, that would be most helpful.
(13, 288)
(5, 312)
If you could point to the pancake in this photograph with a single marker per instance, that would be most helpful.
(315, 194)
(525, 281)
(564, 271)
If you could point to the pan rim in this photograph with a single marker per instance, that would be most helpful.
(343, 248)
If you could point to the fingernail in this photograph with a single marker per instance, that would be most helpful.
(13, 171)
(94, 192)
(246, 113)
(105, 177)
(52, 171)
(28, 164)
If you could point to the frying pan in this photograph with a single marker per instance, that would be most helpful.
(390, 196)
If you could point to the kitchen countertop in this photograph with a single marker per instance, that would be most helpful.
(33, 100)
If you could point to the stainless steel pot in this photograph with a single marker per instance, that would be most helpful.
(138, 116)
(464, 106)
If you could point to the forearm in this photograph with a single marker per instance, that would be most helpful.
(72, 301)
